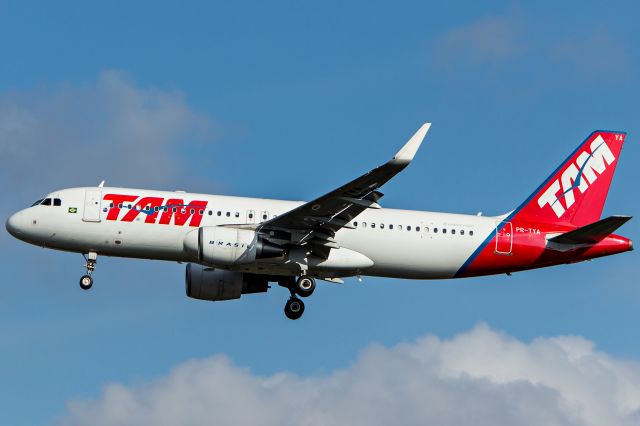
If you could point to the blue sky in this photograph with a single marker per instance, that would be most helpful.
(290, 100)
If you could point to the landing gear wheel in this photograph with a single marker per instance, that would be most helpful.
(305, 286)
(294, 308)
(86, 282)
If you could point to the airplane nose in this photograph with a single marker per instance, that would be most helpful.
(13, 225)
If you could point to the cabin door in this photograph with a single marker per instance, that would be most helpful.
(92, 199)
(504, 238)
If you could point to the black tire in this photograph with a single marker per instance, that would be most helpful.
(294, 308)
(86, 282)
(305, 286)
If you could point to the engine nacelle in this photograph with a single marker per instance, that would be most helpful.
(206, 283)
(219, 245)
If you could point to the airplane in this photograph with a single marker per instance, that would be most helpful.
(237, 245)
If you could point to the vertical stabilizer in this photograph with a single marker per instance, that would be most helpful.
(576, 191)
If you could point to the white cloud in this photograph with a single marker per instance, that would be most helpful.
(513, 46)
(481, 377)
(595, 55)
(485, 41)
(75, 135)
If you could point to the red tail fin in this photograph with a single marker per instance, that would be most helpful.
(575, 193)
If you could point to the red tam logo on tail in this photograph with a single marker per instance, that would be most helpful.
(579, 175)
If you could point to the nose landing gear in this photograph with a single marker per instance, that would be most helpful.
(303, 287)
(86, 281)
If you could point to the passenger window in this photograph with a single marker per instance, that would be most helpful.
(228, 214)
(264, 216)
(156, 208)
(47, 202)
(219, 213)
(175, 209)
(237, 214)
(390, 226)
(364, 224)
(444, 230)
(382, 226)
(120, 205)
(409, 228)
(417, 228)
(399, 227)
(201, 212)
(453, 231)
(355, 224)
(110, 205)
(250, 215)
(373, 225)
(462, 232)
(210, 212)
(471, 233)
(435, 230)
(193, 211)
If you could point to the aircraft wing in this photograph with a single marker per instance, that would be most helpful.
(317, 221)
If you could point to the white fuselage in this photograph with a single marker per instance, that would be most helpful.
(399, 243)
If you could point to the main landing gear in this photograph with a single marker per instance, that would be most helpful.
(86, 281)
(294, 308)
(303, 287)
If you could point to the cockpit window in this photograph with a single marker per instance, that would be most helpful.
(48, 202)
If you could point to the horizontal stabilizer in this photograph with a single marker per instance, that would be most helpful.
(591, 234)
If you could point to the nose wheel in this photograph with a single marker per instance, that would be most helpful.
(86, 281)
(303, 287)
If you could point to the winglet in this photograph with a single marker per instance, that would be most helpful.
(408, 151)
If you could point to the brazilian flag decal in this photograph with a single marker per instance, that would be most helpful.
(73, 210)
